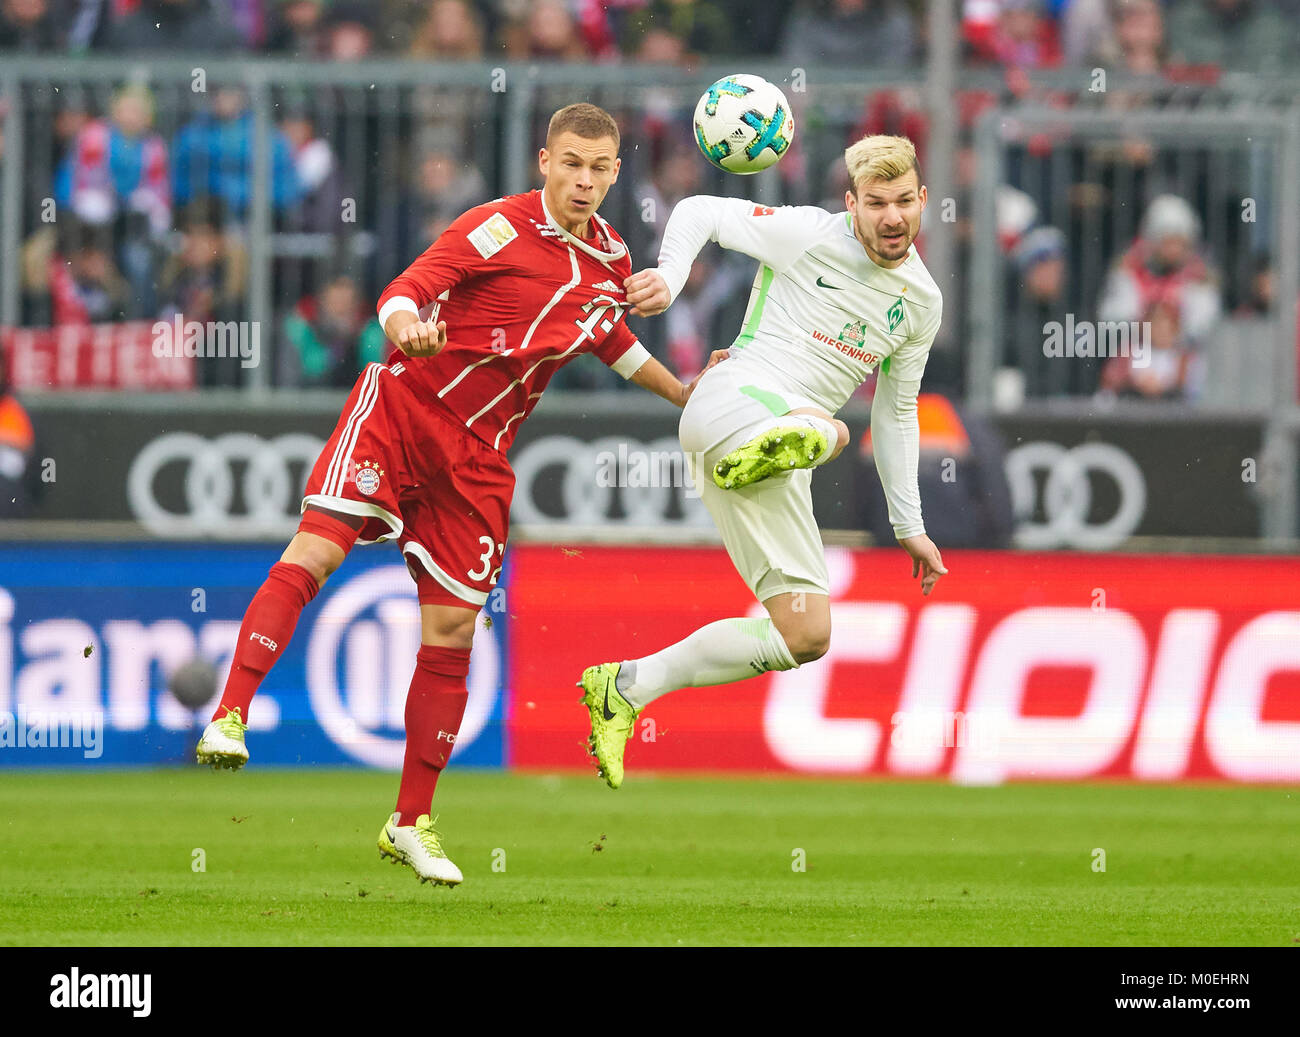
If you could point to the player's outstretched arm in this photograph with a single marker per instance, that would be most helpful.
(654, 377)
(774, 235)
(895, 438)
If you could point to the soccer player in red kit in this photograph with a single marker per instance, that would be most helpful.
(511, 291)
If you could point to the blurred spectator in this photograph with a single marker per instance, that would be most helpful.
(1123, 34)
(319, 176)
(29, 26)
(174, 26)
(678, 174)
(661, 47)
(691, 325)
(1088, 33)
(70, 277)
(115, 174)
(1016, 34)
(700, 25)
(204, 281)
(1171, 370)
(895, 112)
(1259, 293)
(442, 188)
(250, 18)
(451, 30)
(1242, 35)
(334, 334)
(450, 118)
(961, 476)
(349, 31)
(1163, 266)
(543, 30)
(1038, 297)
(297, 29)
(1140, 36)
(213, 157)
(18, 470)
(850, 32)
(759, 29)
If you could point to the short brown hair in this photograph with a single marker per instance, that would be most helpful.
(586, 120)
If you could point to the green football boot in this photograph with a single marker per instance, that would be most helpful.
(774, 451)
(222, 744)
(612, 720)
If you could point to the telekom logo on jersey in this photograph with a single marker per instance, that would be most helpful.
(985, 736)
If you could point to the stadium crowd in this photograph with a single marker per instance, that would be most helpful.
(154, 211)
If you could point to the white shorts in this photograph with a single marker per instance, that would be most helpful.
(768, 527)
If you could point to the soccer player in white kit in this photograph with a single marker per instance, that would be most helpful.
(837, 295)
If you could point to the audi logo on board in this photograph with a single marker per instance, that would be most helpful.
(242, 485)
(1067, 494)
(271, 476)
(586, 477)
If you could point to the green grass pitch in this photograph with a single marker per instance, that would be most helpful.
(108, 858)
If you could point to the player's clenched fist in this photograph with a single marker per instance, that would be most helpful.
(422, 338)
(647, 291)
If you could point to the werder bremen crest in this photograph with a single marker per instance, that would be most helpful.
(895, 314)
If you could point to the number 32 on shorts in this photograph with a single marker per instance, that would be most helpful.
(490, 548)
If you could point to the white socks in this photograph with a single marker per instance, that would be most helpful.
(722, 652)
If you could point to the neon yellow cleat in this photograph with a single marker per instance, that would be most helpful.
(774, 451)
(418, 847)
(612, 719)
(222, 744)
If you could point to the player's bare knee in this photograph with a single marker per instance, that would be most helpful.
(806, 641)
(447, 627)
(315, 554)
(809, 646)
(843, 439)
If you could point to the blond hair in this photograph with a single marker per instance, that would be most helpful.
(880, 157)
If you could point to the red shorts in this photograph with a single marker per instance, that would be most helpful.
(437, 488)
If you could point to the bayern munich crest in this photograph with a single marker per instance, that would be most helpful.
(368, 475)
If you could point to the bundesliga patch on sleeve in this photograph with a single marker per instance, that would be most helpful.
(492, 235)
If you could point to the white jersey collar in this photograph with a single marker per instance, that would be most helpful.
(577, 242)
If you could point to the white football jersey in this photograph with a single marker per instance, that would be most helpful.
(822, 316)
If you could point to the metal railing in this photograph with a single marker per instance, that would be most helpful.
(380, 120)
(1247, 162)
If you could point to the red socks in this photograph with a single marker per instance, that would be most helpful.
(435, 705)
(268, 625)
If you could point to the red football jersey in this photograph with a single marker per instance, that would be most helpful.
(521, 297)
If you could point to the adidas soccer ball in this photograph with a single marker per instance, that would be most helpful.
(743, 124)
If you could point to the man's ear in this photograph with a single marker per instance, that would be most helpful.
(543, 160)
(618, 164)
(923, 196)
(850, 201)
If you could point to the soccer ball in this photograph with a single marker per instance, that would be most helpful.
(743, 124)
